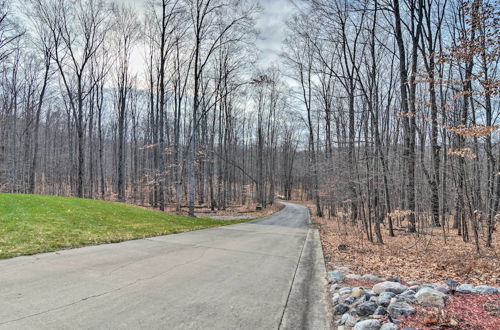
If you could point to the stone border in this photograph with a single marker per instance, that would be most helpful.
(380, 307)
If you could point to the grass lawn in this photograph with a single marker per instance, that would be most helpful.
(38, 223)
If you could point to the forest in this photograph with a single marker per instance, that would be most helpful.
(383, 113)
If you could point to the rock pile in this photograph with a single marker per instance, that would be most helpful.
(370, 308)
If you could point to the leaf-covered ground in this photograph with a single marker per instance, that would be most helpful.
(32, 224)
(463, 311)
(425, 257)
(233, 210)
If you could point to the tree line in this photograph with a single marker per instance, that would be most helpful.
(402, 112)
(382, 112)
(196, 124)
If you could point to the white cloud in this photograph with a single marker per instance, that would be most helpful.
(272, 27)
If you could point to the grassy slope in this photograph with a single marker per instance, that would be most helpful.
(38, 223)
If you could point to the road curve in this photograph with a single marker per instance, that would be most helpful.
(266, 274)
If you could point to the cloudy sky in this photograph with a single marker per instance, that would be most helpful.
(271, 24)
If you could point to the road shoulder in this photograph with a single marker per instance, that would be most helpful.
(307, 307)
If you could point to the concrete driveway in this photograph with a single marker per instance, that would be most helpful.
(266, 274)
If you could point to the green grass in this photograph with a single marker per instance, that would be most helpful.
(32, 224)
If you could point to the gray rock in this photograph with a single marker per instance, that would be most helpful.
(365, 297)
(344, 318)
(372, 278)
(385, 298)
(380, 311)
(389, 326)
(334, 287)
(392, 279)
(344, 297)
(348, 320)
(350, 300)
(344, 291)
(399, 309)
(389, 286)
(367, 325)
(414, 288)
(430, 297)
(414, 283)
(340, 309)
(335, 276)
(451, 283)
(441, 288)
(407, 296)
(353, 276)
(486, 289)
(466, 288)
(335, 298)
(351, 321)
(366, 308)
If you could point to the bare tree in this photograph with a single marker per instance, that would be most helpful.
(125, 35)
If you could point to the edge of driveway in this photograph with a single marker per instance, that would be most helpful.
(307, 306)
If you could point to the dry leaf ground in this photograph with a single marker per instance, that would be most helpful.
(410, 257)
(463, 311)
(234, 210)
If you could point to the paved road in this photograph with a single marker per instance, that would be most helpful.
(266, 274)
